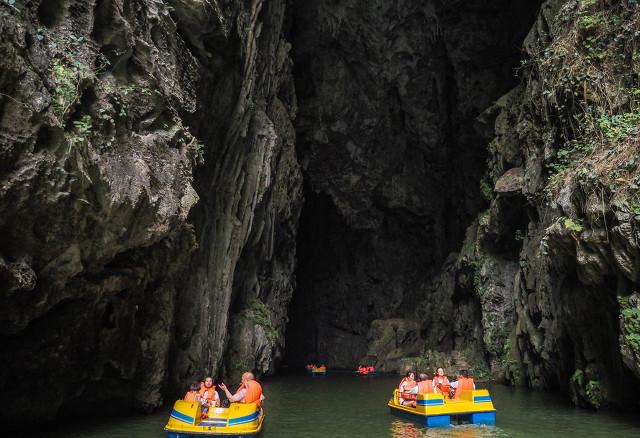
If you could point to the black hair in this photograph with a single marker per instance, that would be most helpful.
(464, 373)
(410, 372)
(195, 386)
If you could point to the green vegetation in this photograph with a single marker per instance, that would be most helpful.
(67, 78)
(575, 226)
(81, 131)
(258, 312)
(485, 188)
(594, 395)
(578, 377)
(631, 328)
(587, 80)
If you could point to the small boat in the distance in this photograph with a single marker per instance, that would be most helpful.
(319, 371)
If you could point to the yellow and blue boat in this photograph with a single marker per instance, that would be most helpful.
(433, 410)
(238, 420)
(322, 371)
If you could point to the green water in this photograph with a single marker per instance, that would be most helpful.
(344, 405)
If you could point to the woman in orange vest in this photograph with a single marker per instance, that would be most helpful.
(208, 395)
(193, 395)
(249, 391)
(407, 384)
(441, 382)
(464, 383)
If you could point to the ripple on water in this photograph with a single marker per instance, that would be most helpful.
(345, 406)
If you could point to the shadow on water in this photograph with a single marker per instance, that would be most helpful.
(344, 405)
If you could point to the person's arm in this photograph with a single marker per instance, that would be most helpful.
(226, 390)
(454, 384)
(414, 390)
(238, 396)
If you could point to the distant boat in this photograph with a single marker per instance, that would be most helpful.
(321, 371)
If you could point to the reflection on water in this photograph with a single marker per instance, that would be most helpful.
(405, 429)
(341, 405)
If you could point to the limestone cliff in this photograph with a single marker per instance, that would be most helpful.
(108, 108)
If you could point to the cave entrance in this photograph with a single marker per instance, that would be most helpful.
(393, 151)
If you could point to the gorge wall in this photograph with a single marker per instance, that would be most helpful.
(116, 290)
(155, 226)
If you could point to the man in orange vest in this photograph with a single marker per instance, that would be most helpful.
(249, 391)
(464, 383)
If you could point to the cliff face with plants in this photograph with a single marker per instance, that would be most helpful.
(554, 259)
(152, 226)
(108, 109)
(565, 155)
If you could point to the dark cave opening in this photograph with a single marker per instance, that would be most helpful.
(393, 150)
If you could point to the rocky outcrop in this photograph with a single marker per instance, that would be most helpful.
(107, 110)
(564, 197)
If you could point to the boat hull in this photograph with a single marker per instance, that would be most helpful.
(238, 420)
(433, 410)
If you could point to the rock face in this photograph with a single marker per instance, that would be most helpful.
(561, 227)
(392, 155)
(107, 110)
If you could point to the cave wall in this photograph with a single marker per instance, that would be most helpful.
(392, 155)
(117, 118)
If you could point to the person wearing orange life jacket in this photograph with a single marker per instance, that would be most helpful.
(193, 395)
(407, 384)
(464, 383)
(425, 385)
(370, 370)
(249, 391)
(441, 382)
(208, 394)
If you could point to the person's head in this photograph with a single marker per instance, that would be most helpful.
(410, 375)
(422, 377)
(208, 382)
(247, 377)
(463, 373)
(194, 386)
(440, 372)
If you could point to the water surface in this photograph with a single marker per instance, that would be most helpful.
(344, 405)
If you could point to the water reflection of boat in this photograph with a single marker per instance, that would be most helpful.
(434, 410)
(404, 429)
(238, 420)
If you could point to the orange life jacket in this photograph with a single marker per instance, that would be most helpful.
(425, 387)
(444, 389)
(191, 396)
(211, 392)
(464, 384)
(253, 391)
(408, 386)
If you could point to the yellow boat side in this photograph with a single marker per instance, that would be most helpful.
(240, 419)
(434, 410)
